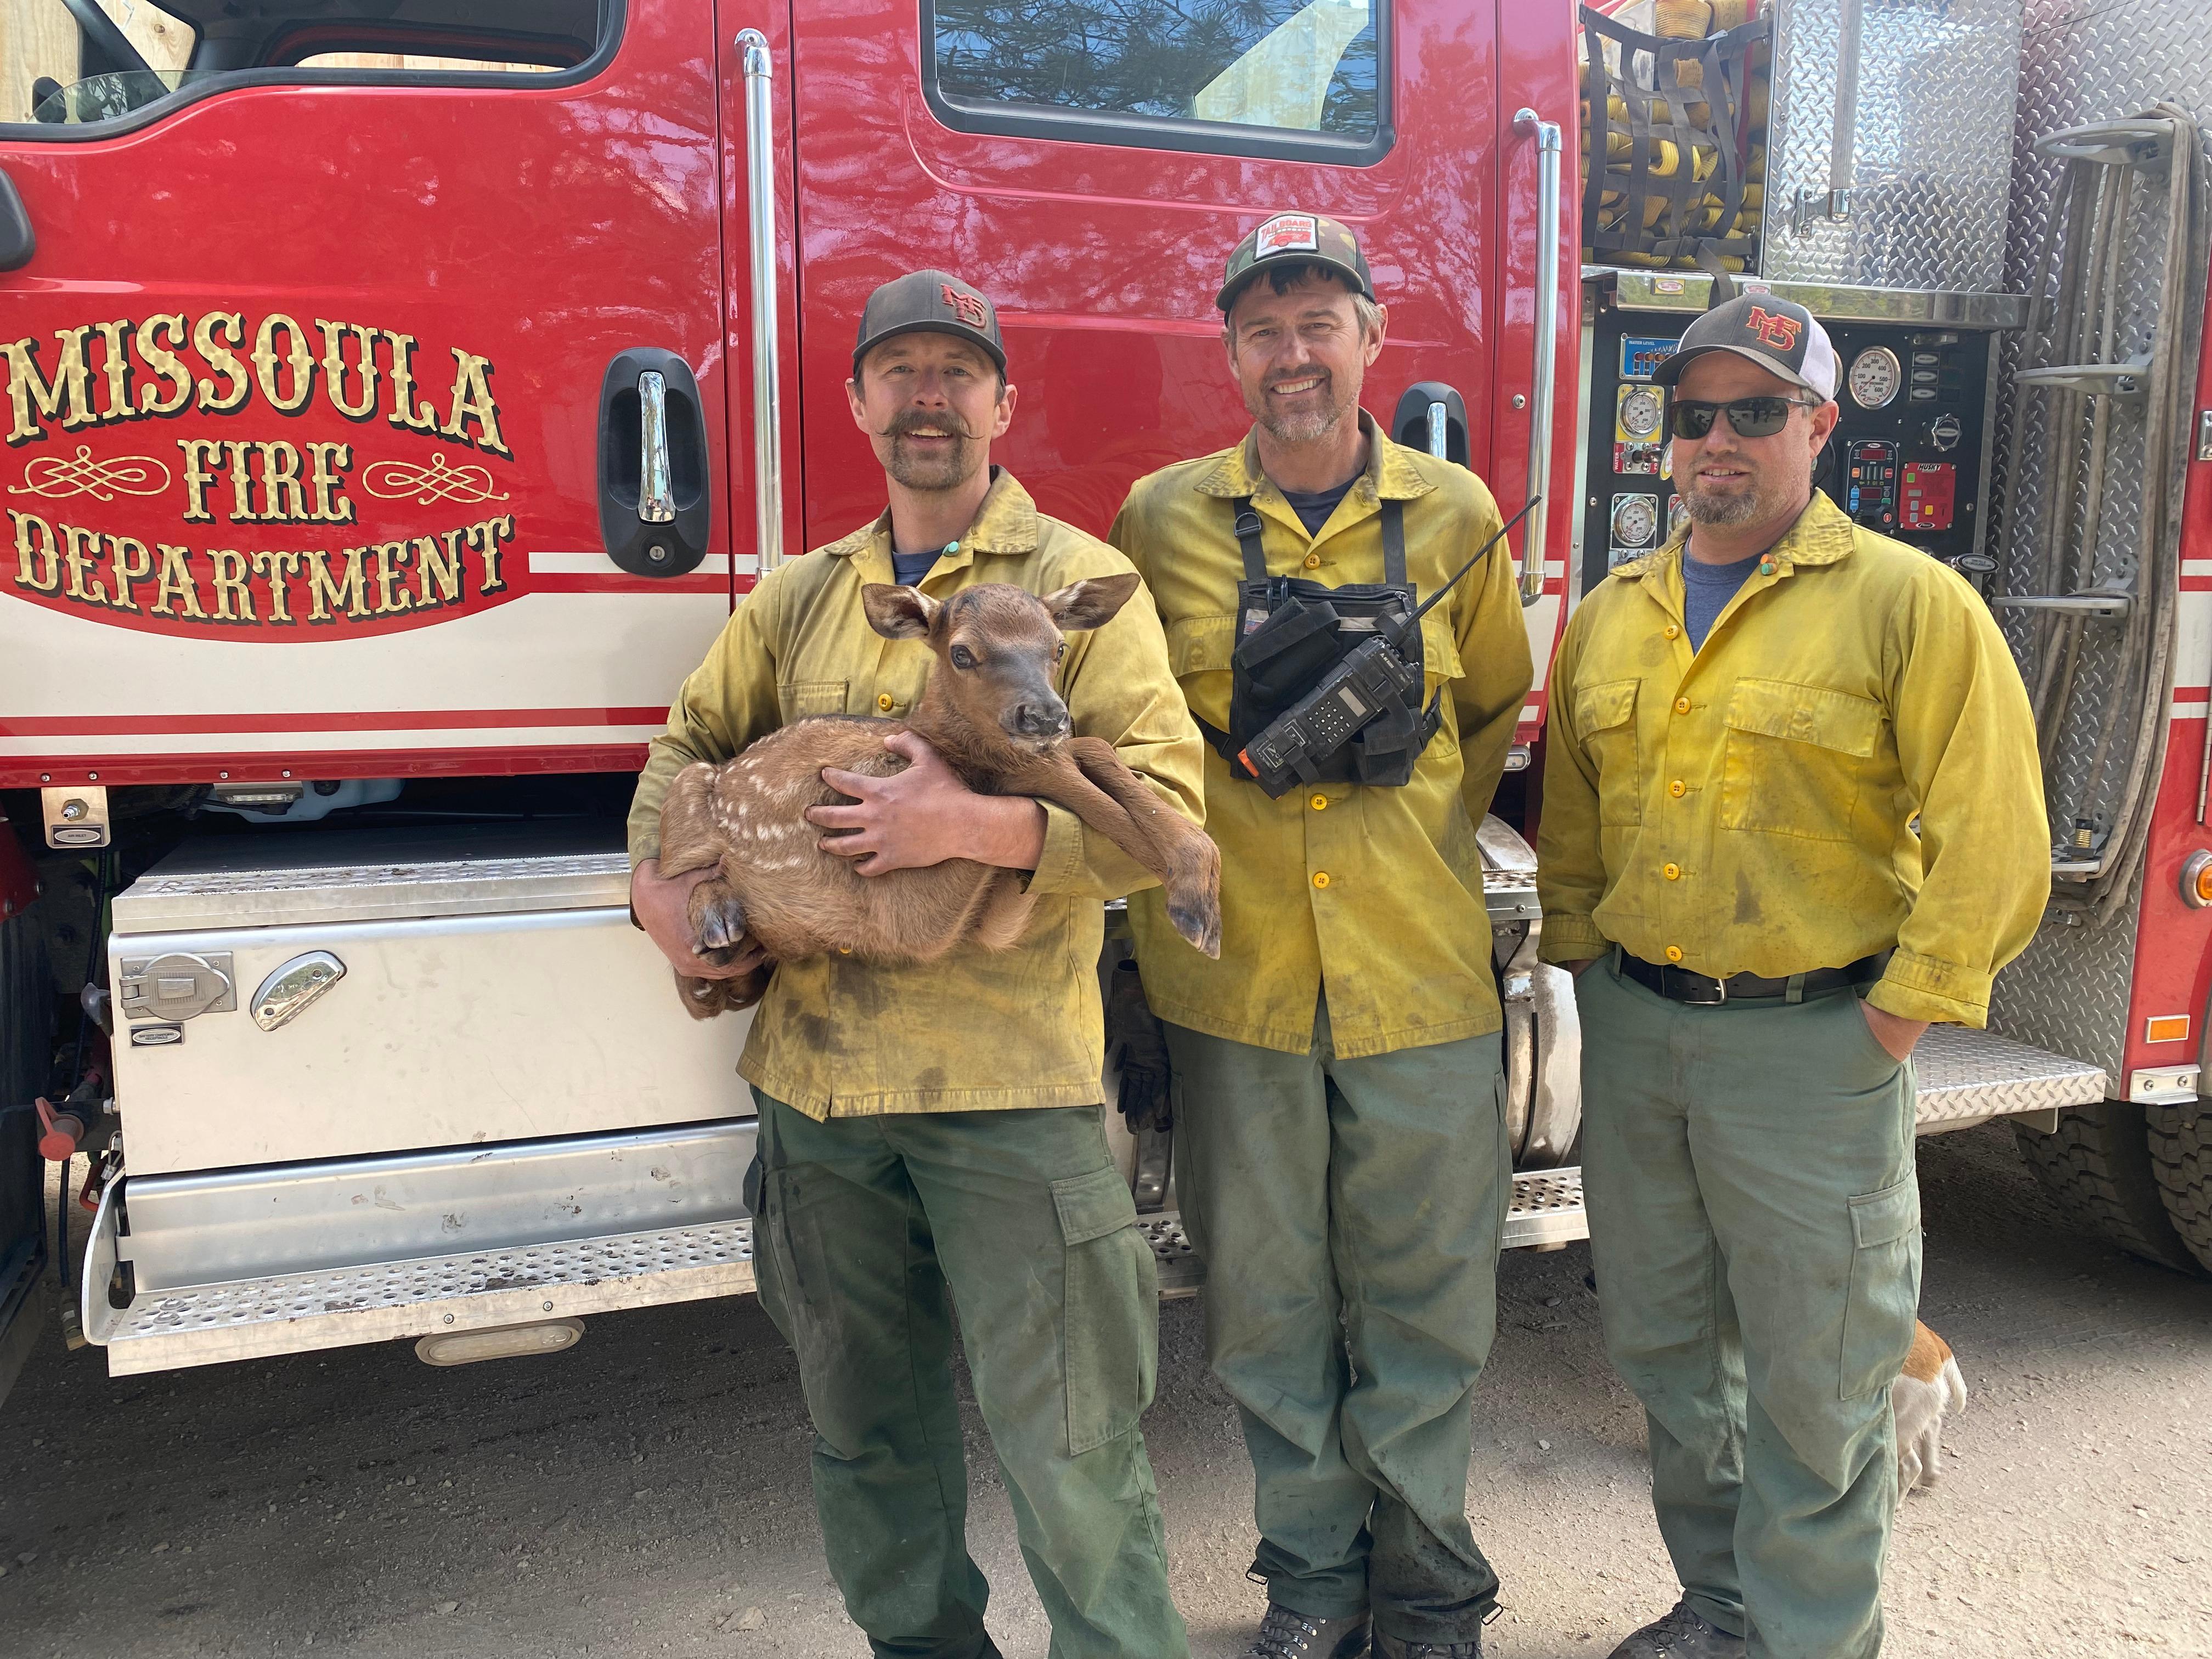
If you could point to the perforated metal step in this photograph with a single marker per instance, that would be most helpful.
(205, 1324)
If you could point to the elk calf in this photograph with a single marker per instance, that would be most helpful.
(990, 710)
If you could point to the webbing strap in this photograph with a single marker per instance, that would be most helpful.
(1255, 555)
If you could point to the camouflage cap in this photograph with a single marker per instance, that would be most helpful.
(1304, 238)
(932, 302)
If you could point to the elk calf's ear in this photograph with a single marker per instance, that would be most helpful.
(1092, 602)
(898, 613)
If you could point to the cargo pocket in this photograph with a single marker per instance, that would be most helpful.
(1885, 1288)
(1606, 715)
(800, 698)
(1797, 758)
(1109, 1317)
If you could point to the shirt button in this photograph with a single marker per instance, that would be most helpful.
(1313, 561)
(884, 702)
(1681, 705)
(1673, 872)
(1672, 632)
(1675, 789)
(1318, 802)
(1321, 878)
(1674, 953)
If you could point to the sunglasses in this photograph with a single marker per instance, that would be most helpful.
(1750, 417)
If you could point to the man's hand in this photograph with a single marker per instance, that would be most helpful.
(1576, 968)
(926, 815)
(1893, 1031)
(660, 902)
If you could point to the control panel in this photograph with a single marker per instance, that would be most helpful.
(1906, 458)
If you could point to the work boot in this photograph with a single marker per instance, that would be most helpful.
(1392, 1647)
(1680, 1635)
(1287, 1634)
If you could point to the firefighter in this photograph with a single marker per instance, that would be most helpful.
(1337, 1089)
(912, 1153)
(1792, 814)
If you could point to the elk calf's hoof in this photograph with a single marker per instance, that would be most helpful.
(1197, 919)
(718, 920)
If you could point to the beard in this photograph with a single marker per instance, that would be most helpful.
(1727, 509)
(1302, 425)
(947, 468)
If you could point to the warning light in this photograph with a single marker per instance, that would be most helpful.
(2197, 879)
(2166, 1028)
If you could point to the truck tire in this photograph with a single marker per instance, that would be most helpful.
(2096, 1168)
(2181, 1158)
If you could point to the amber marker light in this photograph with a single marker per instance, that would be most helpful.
(2196, 878)
(2166, 1028)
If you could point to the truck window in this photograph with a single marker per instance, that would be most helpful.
(1298, 79)
(77, 68)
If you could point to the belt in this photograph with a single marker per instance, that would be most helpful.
(1703, 990)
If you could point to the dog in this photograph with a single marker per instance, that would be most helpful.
(1928, 1390)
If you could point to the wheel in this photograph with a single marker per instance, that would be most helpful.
(2181, 1158)
(2096, 1166)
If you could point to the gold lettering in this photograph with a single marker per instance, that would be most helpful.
(286, 501)
(233, 327)
(198, 477)
(332, 506)
(278, 568)
(67, 396)
(392, 558)
(115, 371)
(241, 483)
(129, 560)
(161, 361)
(485, 537)
(266, 357)
(175, 583)
(405, 411)
(31, 529)
(443, 569)
(81, 552)
(234, 600)
(472, 400)
(327, 598)
(334, 370)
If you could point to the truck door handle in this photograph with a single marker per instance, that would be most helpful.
(654, 507)
(1432, 415)
(18, 241)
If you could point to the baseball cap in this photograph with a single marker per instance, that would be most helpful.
(1779, 335)
(1298, 239)
(930, 302)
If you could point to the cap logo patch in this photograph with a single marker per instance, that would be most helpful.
(966, 306)
(1288, 233)
(1778, 331)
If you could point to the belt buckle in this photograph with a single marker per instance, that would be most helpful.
(1720, 991)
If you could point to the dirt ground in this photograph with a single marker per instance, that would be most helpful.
(646, 1492)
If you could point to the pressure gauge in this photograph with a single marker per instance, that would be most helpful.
(1876, 377)
(1641, 410)
(1635, 520)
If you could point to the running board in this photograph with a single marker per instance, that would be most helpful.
(1968, 1077)
(479, 1290)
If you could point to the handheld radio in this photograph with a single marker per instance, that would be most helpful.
(1348, 698)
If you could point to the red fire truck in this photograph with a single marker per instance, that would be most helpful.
(400, 396)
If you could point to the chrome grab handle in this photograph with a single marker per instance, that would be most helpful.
(656, 500)
(1545, 372)
(1437, 428)
(768, 392)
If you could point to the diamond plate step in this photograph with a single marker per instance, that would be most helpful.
(1968, 1076)
(292, 1313)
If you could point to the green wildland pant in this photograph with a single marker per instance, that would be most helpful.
(1350, 1213)
(862, 1226)
(1755, 1222)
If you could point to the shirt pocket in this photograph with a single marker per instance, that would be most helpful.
(1605, 713)
(1797, 758)
(798, 699)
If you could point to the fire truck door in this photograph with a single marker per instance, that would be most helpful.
(1092, 170)
(311, 458)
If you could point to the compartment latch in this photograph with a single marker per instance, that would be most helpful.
(177, 986)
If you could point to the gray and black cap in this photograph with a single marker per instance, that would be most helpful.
(1780, 336)
(930, 302)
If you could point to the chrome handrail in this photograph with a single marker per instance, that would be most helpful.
(656, 499)
(767, 390)
(1544, 373)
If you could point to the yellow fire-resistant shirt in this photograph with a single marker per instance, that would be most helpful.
(1376, 892)
(975, 1030)
(1751, 808)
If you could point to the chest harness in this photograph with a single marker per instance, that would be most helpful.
(1325, 682)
